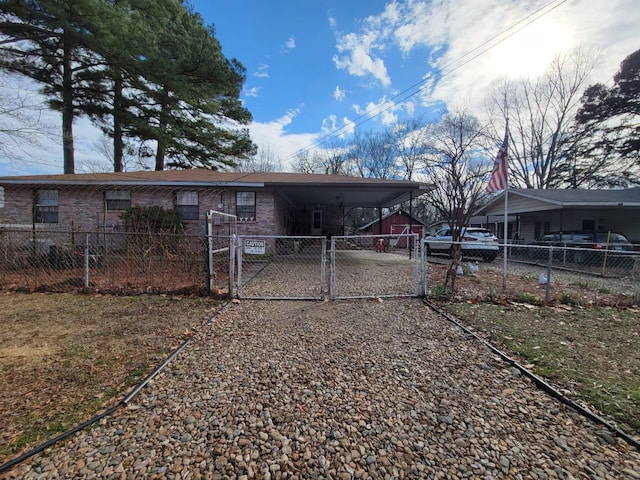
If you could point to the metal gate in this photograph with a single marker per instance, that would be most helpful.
(302, 268)
(368, 266)
(271, 267)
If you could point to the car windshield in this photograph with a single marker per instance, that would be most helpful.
(479, 233)
(615, 238)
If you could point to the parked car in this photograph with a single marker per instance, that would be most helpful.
(583, 247)
(475, 242)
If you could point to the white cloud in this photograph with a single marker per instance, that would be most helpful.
(473, 42)
(339, 94)
(251, 92)
(358, 56)
(262, 71)
(289, 45)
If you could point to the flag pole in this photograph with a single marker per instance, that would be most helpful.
(505, 250)
(506, 211)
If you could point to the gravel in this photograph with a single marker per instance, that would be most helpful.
(341, 390)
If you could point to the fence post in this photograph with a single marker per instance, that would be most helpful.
(323, 267)
(232, 263)
(239, 263)
(332, 270)
(86, 261)
(423, 262)
(547, 290)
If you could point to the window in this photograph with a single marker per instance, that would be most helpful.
(46, 210)
(117, 199)
(187, 205)
(246, 206)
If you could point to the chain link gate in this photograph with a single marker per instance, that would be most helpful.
(281, 268)
(369, 266)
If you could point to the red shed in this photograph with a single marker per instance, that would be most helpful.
(397, 222)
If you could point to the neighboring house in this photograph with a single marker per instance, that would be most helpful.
(536, 212)
(264, 203)
(396, 222)
(488, 222)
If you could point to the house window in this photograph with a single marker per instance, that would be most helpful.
(117, 199)
(187, 205)
(46, 210)
(246, 206)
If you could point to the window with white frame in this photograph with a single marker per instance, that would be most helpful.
(46, 208)
(246, 206)
(187, 205)
(117, 199)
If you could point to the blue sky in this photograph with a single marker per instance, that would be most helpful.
(318, 68)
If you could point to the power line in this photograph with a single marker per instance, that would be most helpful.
(417, 87)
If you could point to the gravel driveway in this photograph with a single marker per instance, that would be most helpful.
(353, 389)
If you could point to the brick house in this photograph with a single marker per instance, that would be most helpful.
(264, 203)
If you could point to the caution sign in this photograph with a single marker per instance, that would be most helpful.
(254, 247)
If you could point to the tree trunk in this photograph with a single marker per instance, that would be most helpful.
(117, 122)
(67, 107)
(160, 151)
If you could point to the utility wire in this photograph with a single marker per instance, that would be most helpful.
(419, 86)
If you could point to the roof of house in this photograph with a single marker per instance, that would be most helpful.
(556, 198)
(417, 221)
(300, 188)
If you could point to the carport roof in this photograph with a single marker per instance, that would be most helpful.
(297, 188)
(545, 199)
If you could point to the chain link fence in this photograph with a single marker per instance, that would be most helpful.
(619, 264)
(113, 262)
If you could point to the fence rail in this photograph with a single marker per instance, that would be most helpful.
(264, 267)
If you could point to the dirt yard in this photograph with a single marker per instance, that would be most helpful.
(66, 357)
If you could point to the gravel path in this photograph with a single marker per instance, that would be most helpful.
(341, 390)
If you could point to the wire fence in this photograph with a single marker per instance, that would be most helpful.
(113, 262)
(617, 264)
(35, 260)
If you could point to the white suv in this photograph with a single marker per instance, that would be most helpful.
(475, 242)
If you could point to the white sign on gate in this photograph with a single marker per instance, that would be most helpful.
(254, 247)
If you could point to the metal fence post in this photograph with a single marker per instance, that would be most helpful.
(332, 269)
(86, 261)
(323, 268)
(232, 264)
(423, 261)
(239, 263)
(547, 290)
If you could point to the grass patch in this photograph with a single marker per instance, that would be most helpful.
(67, 357)
(593, 352)
(526, 297)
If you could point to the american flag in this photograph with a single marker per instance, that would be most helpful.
(498, 179)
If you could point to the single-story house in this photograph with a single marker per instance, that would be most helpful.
(395, 222)
(264, 203)
(488, 222)
(535, 212)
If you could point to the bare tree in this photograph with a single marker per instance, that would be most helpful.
(540, 111)
(265, 160)
(410, 145)
(372, 155)
(22, 125)
(457, 164)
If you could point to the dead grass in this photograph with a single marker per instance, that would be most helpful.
(66, 357)
(585, 340)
